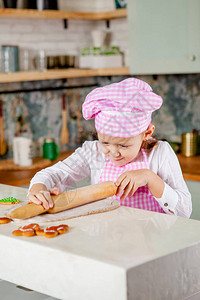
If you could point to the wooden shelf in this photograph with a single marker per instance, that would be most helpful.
(62, 73)
(57, 14)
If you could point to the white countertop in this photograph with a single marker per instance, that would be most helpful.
(122, 254)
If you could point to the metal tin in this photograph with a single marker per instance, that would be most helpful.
(10, 59)
(189, 144)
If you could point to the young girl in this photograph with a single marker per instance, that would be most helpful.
(147, 172)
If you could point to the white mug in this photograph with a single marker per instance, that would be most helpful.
(98, 37)
(22, 151)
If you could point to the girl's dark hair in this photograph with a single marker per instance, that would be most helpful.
(150, 144)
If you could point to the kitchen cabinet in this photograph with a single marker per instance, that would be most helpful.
(194, 188)
(10, 291)
(164, 36)
(62, 73)
(18, 176)
(190, 167)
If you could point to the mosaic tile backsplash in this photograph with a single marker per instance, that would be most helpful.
(38, 113)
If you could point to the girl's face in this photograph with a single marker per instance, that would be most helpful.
(122, 151)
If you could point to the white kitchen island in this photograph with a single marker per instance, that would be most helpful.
(118, 255)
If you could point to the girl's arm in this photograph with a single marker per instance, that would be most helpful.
(38, 194)
(65, 173)
(164, 180)
(128, 183)
(60, 176)
(155, 184)
(176, 193)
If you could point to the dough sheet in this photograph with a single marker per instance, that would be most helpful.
(83, 210)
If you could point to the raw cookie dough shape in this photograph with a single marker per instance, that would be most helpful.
(9, 201)
(5, 220)
(34, 229)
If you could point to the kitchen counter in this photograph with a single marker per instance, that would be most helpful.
(22, 176)
(190, 167)
(124, 254)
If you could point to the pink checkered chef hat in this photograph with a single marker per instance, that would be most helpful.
(122, 109)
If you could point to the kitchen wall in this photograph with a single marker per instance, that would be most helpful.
(180, 93)
(179, 112)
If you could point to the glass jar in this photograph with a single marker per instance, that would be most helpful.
(10, 58)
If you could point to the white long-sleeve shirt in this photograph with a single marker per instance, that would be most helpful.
(88, 161)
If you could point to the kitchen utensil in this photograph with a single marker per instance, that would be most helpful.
(20, 113)
(1, 61)
(50, 149)
(64, 135)
(3, 146)
(189, 143)
(78, 115)
(67, 200)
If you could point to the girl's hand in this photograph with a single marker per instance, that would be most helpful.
(130, 181)
(41, 196)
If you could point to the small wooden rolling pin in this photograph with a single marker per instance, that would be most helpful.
(67, 200)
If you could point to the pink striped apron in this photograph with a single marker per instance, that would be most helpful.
(142, 198)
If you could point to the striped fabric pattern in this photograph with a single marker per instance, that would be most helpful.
(142, 198)
(122, 109)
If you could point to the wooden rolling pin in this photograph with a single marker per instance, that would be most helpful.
(67, 200)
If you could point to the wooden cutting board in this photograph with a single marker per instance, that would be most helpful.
(38, 163)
